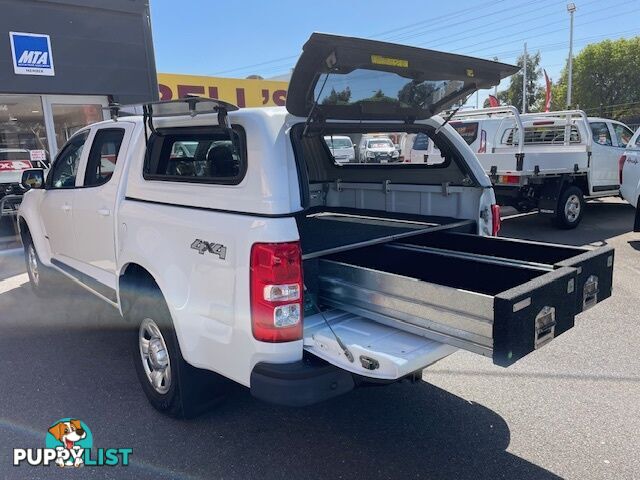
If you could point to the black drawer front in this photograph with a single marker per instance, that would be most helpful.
(592, 264)
(516, 330)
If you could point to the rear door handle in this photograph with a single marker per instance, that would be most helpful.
(105, 212)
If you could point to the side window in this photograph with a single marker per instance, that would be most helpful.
(601, 134)
(65, 168)
(623, 134)
(103, 156)
(200, 155)
(638, 141)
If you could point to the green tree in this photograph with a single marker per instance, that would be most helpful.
(338, 98)
(606, 73)
(535, 93)
(416, 93)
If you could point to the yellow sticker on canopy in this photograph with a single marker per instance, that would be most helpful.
(392, 62)
(470, 72)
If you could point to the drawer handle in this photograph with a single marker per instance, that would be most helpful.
(545, 326)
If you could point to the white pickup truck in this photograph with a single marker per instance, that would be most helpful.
(550, 161)
(630, 176)
(235, 245)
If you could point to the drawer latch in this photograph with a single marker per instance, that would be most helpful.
(590, 292)
(545, 326)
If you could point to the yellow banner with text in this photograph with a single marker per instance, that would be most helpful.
(239, 91)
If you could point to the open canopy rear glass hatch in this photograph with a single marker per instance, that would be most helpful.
(358, 79)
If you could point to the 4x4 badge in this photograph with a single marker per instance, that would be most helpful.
(216, 248)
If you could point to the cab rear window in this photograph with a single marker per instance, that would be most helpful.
(197, 155)
(468, 131)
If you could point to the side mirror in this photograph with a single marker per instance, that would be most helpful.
(32, 178)
(396, 146)
(354, 145)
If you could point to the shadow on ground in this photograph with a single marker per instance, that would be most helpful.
(400, 431)
(602, 220)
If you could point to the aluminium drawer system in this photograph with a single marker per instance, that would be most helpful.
(500, 307)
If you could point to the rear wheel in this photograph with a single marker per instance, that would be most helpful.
(570, 208)
(171, 385)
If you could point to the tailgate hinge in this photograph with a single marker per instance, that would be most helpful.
(386, 185)
(445, 189)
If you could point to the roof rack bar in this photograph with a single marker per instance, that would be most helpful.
(171, 108)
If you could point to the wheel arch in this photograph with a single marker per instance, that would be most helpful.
(134, 280)
(35, 232)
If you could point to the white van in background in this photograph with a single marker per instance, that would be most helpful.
(550, 161)
(342, 148)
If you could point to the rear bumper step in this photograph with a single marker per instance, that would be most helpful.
(299, 384)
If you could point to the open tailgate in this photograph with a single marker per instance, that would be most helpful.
(340, 77)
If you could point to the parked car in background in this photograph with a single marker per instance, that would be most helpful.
(548, 161)
(342, 148)
(630, 175)
(377, 150)
(13, 162)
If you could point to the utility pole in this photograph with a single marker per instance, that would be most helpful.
(571, 8)
(524, 81)
(495, 89)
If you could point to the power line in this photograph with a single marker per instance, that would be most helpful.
(563, 44)
(490, 27)
(411, 26)
(510, 14)
(462, 13)
(554, 30)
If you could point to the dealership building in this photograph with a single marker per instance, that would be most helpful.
(63, 61)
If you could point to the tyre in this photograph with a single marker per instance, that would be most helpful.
(171, 385)
(570, 208)
(41, 278)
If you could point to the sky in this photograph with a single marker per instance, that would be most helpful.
(237, 38)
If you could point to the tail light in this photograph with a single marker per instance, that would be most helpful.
(483, 142)
(495, 220)
(509, 179)
(276, 292)
(623, 159)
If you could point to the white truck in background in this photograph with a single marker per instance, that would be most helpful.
(630, 176)
(238, 248)
(548, 161)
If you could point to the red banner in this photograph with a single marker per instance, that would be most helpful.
(547, 97)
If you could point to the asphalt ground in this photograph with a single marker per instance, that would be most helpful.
(568, 410)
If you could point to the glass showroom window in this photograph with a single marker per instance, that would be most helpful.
(22, 128)
(68, 119)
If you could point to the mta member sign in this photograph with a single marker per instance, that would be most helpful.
(31, 54)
